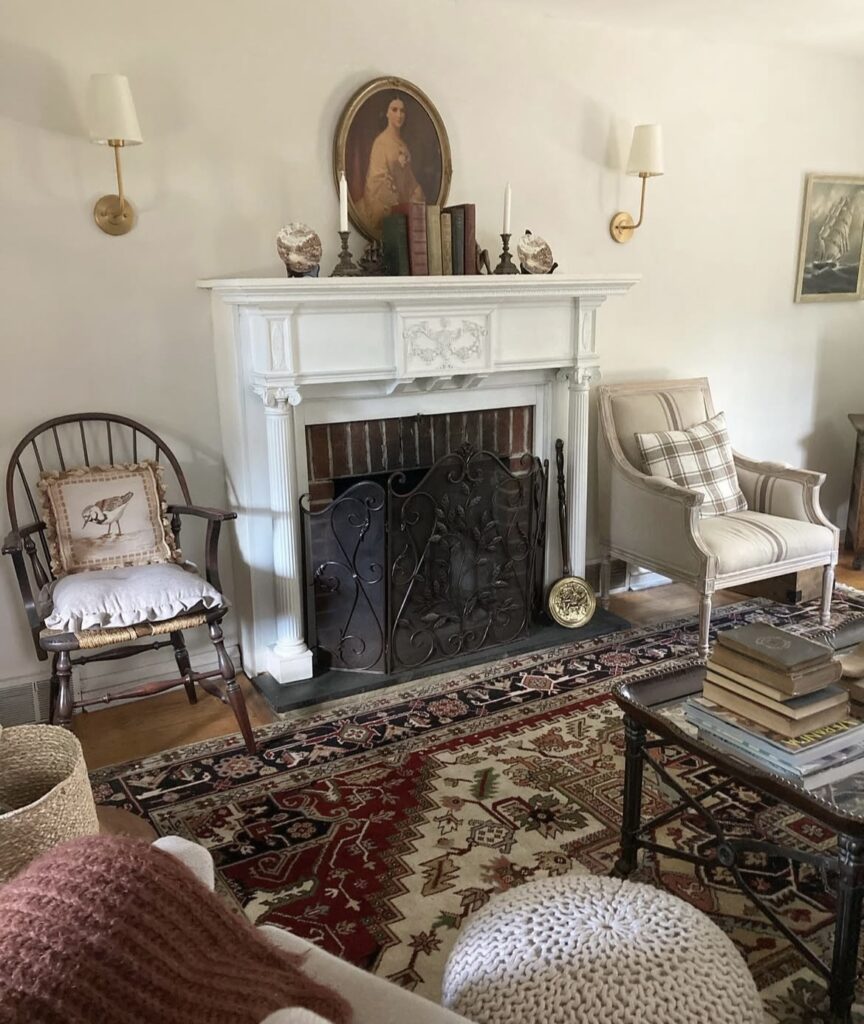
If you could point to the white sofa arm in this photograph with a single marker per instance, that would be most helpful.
(780, 490)
(374, 1000)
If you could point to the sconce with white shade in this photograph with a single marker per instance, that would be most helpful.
(646, 161)
(113, 122)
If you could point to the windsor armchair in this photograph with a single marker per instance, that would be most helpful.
(100, 439)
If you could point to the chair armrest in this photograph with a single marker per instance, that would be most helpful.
(211, 514)
(18, 543)
(215, 518)
(13, 542)
(652, 521)
(780, 490)
(15, 539)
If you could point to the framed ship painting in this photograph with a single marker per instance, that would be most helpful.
(831, 257)
(393, 147)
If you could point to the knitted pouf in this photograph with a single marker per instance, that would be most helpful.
(578, 948)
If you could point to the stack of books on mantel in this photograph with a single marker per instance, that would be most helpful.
(770, 698)
(419, 239)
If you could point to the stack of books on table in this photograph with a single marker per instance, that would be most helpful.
(770, 698)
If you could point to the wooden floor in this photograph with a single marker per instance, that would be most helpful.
(135, 730)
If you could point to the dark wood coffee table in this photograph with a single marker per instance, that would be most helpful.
(654, 717)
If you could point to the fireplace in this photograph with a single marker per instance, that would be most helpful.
(428, 563)
(306, 355)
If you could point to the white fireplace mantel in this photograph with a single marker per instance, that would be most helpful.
(294, 352)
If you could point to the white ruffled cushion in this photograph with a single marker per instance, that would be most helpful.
(125, 597)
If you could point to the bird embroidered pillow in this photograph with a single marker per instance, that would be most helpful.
(106, 517)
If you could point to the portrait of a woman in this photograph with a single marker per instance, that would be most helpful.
(393, 148)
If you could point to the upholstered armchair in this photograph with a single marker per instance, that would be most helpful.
(655, 523)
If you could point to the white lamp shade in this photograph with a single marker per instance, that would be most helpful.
(646, 152)
(111, 110)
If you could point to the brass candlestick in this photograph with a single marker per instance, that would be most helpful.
(505, 261)
(346, 267)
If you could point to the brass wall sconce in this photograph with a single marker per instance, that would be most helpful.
(113, 122)
(646, 160)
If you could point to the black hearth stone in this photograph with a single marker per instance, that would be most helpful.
(333, 685)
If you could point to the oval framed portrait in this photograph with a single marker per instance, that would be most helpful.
(393, 147)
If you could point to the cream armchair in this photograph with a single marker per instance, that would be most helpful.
(655, 523)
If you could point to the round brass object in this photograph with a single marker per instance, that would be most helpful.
(112, 217)
(571, 601)
(621, 227)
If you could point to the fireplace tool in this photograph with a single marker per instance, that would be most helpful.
(571, 601)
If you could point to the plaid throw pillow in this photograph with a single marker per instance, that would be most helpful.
(700, 459)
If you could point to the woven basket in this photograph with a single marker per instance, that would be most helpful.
(45, 795)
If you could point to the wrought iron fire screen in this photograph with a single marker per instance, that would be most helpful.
(398, 578)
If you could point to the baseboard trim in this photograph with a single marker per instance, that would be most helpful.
(95, 680)
(624, 578)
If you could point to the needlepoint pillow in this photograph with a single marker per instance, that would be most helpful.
(700, 459)
(107, 517)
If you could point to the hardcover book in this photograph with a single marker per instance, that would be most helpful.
(790, 707)
(470, 241)
(446, 243)
(775, 647)
(394, 244)
(774, 720)
(457, 219)
(831, 768)
(418, 262)
(791, 683)
(706, 714)
(465, 221)
(433, 240)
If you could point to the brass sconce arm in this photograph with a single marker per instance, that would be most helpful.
(115, 214)
(621, 226)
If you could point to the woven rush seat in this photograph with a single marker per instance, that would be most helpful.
(580, 949)
(90, 639)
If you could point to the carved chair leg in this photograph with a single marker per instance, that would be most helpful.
(181, 656)
(605, 579)
(232, 687)
(64, 690)
(704, 625)
(827, 593)
(52, 691)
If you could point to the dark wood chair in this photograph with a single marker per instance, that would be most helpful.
(102, 439)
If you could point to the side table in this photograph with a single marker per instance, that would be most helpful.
(855, 522)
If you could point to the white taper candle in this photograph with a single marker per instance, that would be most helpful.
(508, 197)
(343, 202)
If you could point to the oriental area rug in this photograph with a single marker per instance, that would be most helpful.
(374, 826)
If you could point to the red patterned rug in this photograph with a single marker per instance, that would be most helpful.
(373, 826)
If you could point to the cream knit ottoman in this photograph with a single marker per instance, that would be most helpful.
(580, 949)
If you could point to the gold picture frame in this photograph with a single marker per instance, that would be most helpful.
(831, 250)
(393, 147)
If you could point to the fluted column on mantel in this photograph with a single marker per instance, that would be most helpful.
(289, 658)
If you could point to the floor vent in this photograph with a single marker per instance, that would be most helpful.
(24, 703)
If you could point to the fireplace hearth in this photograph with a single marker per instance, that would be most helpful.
(400, 577)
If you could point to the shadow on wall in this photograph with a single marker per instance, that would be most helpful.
(35, 91)
(830, 447)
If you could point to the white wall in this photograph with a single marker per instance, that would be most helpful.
(238, 105)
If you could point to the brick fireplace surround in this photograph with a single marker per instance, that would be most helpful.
(347, 451)
(302, 363)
